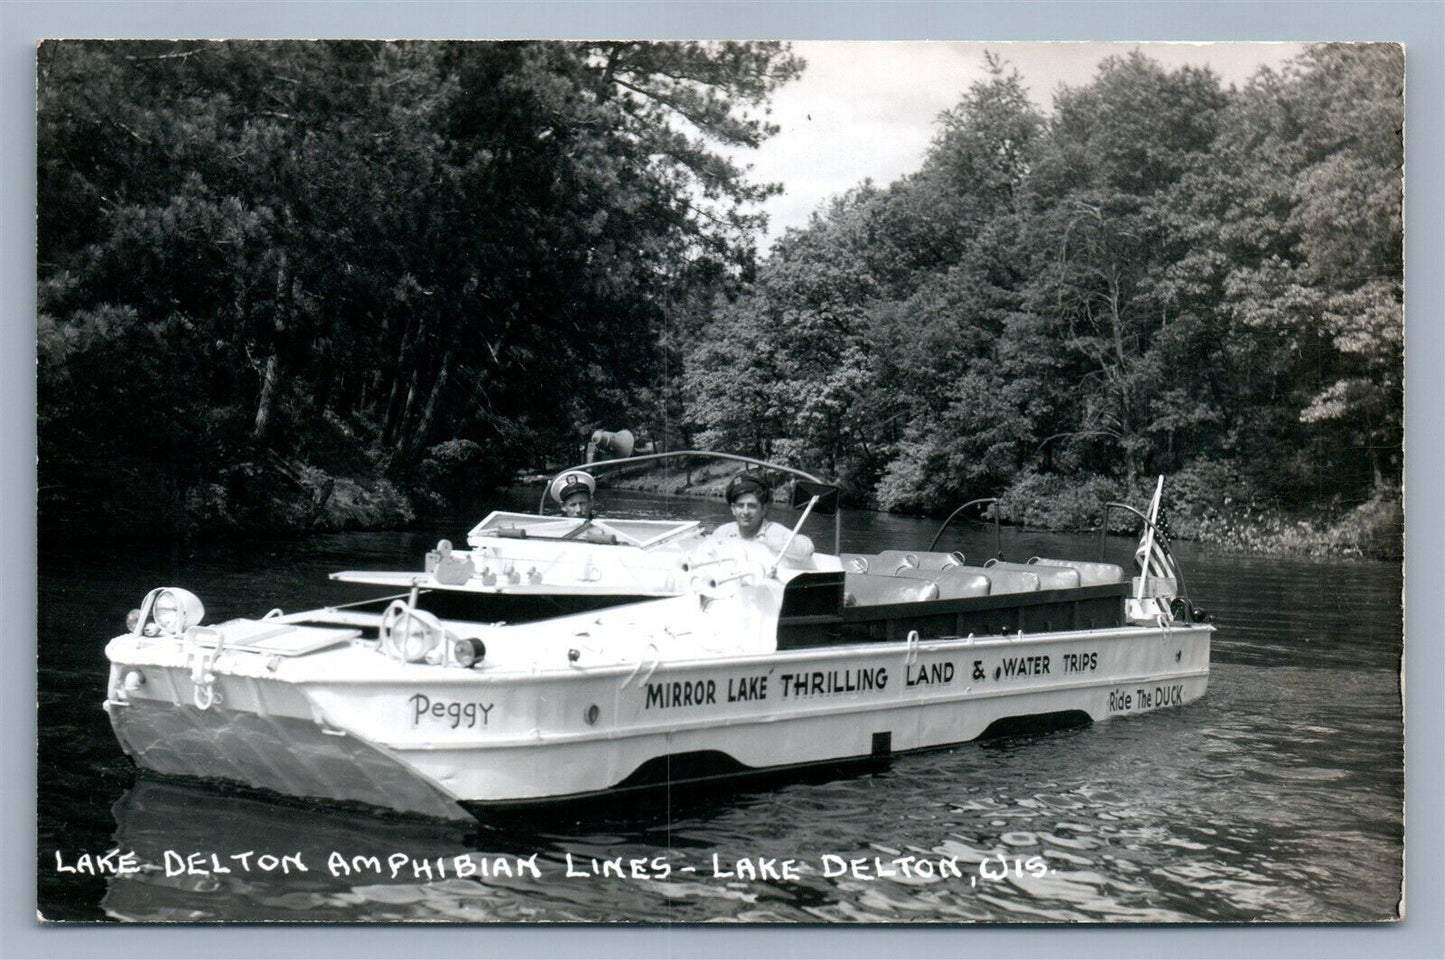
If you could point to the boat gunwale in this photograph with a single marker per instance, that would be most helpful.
(603, 671)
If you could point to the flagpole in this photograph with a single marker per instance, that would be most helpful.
(1146, 549)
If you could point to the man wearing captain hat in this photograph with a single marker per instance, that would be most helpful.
(749, 494)
(573, 490)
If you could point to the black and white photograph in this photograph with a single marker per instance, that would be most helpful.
(773, 482)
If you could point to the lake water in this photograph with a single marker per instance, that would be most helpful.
(1277, 797)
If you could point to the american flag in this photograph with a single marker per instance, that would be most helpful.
(1152, 560)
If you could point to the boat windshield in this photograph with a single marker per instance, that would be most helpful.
(636, 533)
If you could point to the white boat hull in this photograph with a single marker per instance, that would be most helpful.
(343, 724)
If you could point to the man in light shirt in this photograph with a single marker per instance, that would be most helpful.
(749, 496)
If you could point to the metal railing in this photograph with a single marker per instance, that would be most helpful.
(1162, 541)
(997, 527)
(705, 454)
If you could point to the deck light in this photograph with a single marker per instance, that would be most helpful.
(468, 651)
(408, 634)
(175, 610)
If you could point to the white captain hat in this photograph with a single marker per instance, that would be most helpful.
(572, 482)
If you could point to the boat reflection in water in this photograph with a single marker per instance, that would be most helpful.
(207, 854)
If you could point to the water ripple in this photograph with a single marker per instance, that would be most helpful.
(1277, 797)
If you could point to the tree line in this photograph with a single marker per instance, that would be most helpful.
(1162, 275)
(264, 265)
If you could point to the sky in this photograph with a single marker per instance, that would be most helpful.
(867, 109)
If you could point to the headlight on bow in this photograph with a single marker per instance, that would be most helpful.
(171, 609)
(408, 634)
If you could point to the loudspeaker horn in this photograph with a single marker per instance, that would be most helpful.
(610, 446)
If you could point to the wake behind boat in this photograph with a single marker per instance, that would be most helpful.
(701, 657)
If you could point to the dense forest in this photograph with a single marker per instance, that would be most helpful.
(287, 284)
(1160, 276)
(265, 267)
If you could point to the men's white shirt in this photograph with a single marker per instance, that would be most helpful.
(772, 536)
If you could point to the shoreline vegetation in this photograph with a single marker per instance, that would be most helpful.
(291, 499)
(1372, 530)
(314, 285)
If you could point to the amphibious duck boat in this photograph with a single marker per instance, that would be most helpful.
(698, 660)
